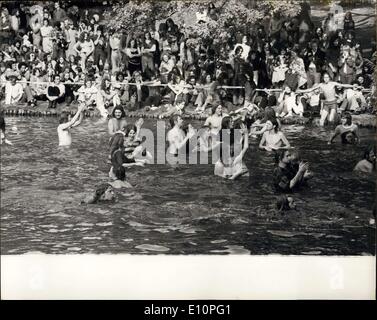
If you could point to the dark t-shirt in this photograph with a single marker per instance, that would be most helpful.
(282, 178)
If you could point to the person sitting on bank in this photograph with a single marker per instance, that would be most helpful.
(14, 91)
(55, 92)
(348, 131)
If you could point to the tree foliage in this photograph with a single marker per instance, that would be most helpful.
(137, 15)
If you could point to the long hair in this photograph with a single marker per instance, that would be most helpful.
(118, 108)
(279, 155)
(128, 129)
(116, 142)
(100, 190)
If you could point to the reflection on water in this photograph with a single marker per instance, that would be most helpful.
(177, 210)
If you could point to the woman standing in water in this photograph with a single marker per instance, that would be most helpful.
(230, 165)
(117, 121)
(273, 138)
(66, 123)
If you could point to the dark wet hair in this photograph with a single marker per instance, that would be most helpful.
(279, 155)
(173, 119)
(368, 150)
(275, 123)
(63, 117)
(225, 122)
(282, 203)
(100, 190)
(118, 108)
(128, 129)
(116, 142)
(348, 116)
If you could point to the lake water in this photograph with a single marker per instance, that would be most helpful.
(178, 210)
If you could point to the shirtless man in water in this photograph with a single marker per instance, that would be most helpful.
(177, 138)
(66, 123)
(330, 103)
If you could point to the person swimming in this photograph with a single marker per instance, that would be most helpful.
(103, 193)
(273, 138)
(66, 123)
(229, 165)
(348, 131)
(368, 164)
(285, 203)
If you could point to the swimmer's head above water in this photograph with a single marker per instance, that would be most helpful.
(104, 192)
(176, 120)
(64, 117)
(285, 203)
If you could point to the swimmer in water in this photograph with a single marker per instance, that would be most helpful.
(285, 203)
(119, 162)
(330, 103)
(104, 193)
(177, 138)
(286, 178)
(133, 148)
(66, 123)
(230, 166)
(273, 138)
(2, 131)
(118, 120)
(348, 131)
(368, 164)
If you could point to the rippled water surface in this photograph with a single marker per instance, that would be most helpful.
(177, 210)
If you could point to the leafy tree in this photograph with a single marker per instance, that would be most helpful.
(137, 15)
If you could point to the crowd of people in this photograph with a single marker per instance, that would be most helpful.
(49, 53)
(279, 68)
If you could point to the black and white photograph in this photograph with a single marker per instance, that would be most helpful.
(181, 128)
